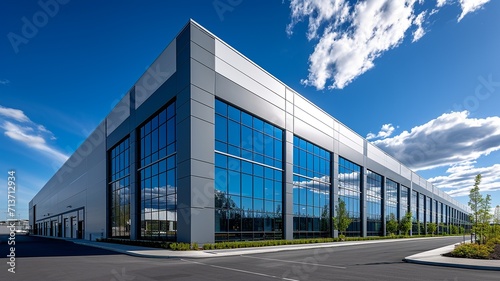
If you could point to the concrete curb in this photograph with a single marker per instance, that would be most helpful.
(164, 253)
(435, 257)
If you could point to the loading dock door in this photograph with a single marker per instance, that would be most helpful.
(67, 230)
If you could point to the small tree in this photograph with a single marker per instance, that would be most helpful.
(392, 225)
(341, 220)
(431, 228)
(485, 217)
(406, 223)
(475, 202)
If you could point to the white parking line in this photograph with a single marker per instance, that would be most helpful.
(239, 270)
(316, 264)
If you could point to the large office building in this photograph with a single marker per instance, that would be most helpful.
(207, 146)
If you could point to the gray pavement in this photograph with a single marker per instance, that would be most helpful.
(40, 258)
(432, 257)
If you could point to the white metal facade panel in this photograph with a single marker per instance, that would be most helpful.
(318, 114)
(405, 172)
(232, 73)
(241, 63)
(351, 139)
(312, 121)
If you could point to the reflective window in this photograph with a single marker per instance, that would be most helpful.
(248, 176)
(373, 204)
(414, 211)
(391, 199)
(311, 190)
(158, 179)
(119, 189)
(435, 211)
(404, 206)
(349, 192)
(428, 210)
(421, 213)
(440, 220)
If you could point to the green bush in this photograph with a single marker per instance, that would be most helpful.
(491, 242)
(264, 243)
(472, 251)
(244, 244)
(141, 243)
(180, 246)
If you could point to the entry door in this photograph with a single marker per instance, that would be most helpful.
(67, 230)
(74, 227)
(80, 230)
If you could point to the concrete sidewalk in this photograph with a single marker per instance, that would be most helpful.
(434, 257)
(164, 253)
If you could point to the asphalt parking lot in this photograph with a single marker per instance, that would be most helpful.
(49, 259)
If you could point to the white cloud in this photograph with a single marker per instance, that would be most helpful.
(4, 81)
(469, 6)
(460, 178)
(441, 3)
(25, 135)
(15, 114)
(385, 132)
(420, 31)
(17, 126)
(319, 12)
(351, 35)
(450, 139)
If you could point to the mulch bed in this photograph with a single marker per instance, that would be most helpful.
(496, 254)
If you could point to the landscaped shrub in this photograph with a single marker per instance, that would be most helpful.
(142, 243)
(491, 242)
(180, 246)
(472, 251)
(244, 244)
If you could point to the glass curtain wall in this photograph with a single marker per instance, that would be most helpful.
(428, 210)
(391, 199)
(435, 212)
(441, 227)
(350, 193)
(373, 204)
(311, 190)
(119, 188)
(414, 211)
(421, 213)
(158, 179)
(404, 206)
(248, 176)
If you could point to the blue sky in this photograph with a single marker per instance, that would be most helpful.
(421, 79)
